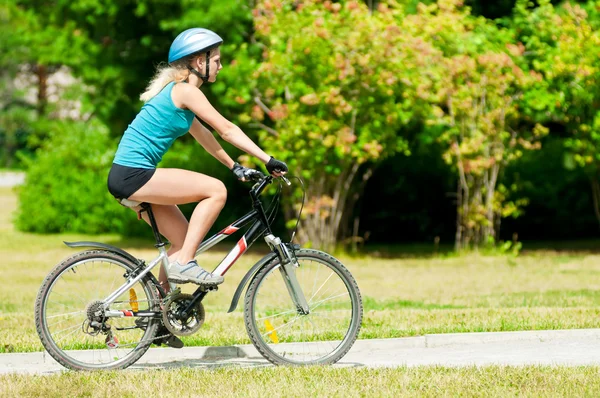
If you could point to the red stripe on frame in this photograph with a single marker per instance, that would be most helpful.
(127, 313)
(229, 230)
(242, 246)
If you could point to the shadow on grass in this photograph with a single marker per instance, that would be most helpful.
(581, 246)
(402, 250)
(201, 363)
(430, 250)
(218, 363)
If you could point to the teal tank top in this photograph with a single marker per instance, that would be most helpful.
(158, 124)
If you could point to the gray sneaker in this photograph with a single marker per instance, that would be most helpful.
(192, 272)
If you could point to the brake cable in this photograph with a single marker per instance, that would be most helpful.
(301, 207)
(273, 207)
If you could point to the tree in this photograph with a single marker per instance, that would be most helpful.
(561, 44)
(113, 46)
(334, 87)
(475, 113)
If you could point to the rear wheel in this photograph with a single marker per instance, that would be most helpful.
(285, 336)
(69, 314)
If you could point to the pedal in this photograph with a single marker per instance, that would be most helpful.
(111, 341)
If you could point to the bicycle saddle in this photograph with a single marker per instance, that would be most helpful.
(129, 203)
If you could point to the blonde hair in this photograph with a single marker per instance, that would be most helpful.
(165, 74)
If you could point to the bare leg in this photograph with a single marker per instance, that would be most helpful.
(176, 186)
(173, 225)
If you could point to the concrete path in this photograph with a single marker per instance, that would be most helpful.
(11, 178)
(552, 347)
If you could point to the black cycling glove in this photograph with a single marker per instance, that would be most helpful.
(245, 174)
(276, 166)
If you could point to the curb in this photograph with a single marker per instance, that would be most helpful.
(453, 339)
(42, 362)
(374, 345)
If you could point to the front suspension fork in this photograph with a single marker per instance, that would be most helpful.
(288, 272)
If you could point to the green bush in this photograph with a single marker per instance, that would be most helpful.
(15, 127)
(65, 188)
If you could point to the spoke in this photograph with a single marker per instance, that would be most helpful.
(65, 329)
(60, 294)
(277, 284)
(273, 316)
(62, 338)
(112, 284)
(68, 313)
(318, 303)
(66, 306)
(327, 314)
(319, 332)
(87, 342)
(64, 279)
(314, 338)
(113, 350)
(315, 283)
(302, 339)
(324, 293)
(281, 327)
(58, 323)
(320, 287)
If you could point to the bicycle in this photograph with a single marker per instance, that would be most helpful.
(301, 307)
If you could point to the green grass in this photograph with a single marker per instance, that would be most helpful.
(497, 381)
(406, 296)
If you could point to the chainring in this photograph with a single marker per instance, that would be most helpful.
(182, 327)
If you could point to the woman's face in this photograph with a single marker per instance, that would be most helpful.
(215, 64)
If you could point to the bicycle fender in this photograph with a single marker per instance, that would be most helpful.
(251, 272)
(104, 246)
(122, 253)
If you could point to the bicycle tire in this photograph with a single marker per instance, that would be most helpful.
(250, 317)
(41, 308)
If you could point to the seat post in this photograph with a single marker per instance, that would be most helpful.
(148, 209)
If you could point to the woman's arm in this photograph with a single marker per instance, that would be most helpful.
(190, 97)
(208, 141)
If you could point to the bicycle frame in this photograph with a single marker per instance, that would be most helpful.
(260, 227)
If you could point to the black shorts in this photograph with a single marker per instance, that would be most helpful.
(124, 181)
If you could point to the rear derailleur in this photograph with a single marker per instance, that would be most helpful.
(95, 323)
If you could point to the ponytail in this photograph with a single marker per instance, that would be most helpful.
(165, 74)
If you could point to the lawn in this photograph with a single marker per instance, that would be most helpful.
(495, 381)
(403, 296)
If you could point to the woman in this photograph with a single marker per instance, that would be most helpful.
(173, 100)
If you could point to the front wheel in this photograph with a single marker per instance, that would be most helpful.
(285, 336)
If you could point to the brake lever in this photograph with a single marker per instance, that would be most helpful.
(286, 180)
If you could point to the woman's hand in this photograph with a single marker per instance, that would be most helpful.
(276, 168)
(243, 173)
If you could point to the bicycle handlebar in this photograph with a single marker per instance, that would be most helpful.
(262, 181)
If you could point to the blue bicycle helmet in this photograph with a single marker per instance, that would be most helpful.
(193, 41)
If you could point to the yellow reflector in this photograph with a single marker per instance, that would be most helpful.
(133, 300)
(272, 333)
